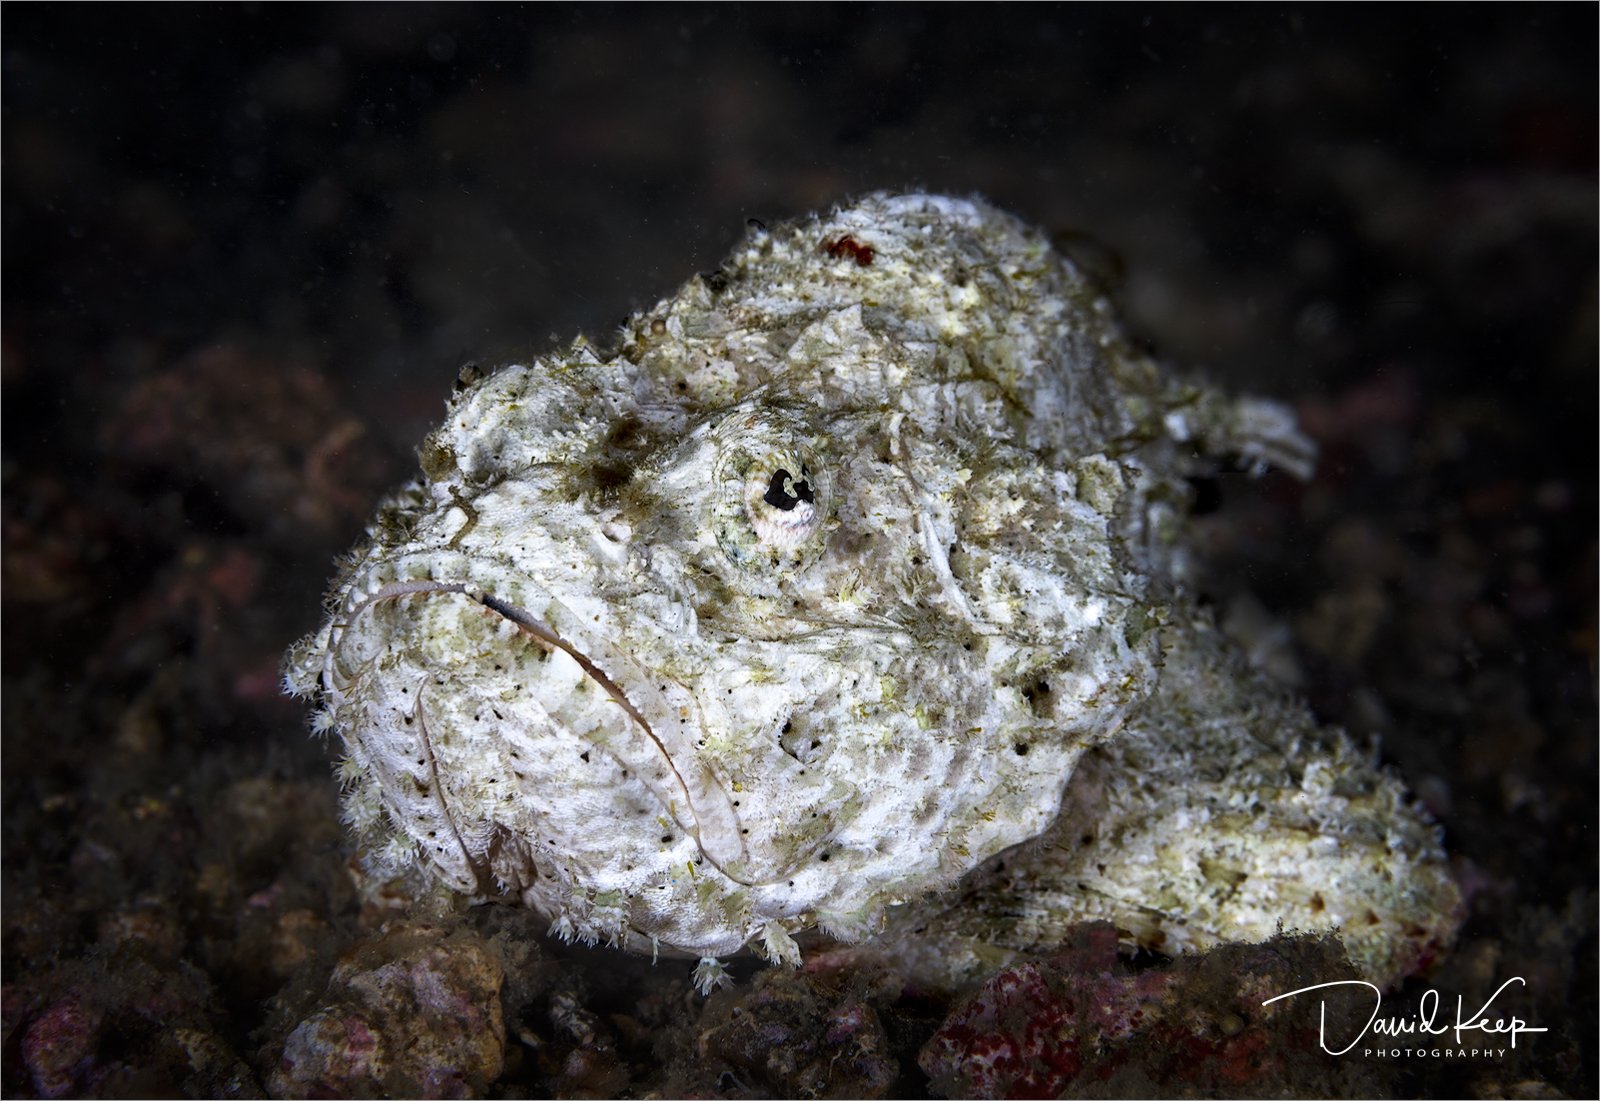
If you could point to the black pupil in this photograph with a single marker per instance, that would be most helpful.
(778, 495)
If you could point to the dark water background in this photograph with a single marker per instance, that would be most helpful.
(246, 250)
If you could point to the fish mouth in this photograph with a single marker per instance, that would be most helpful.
(674, 773)
(663, 721)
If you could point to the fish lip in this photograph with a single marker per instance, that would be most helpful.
(710, 819)
(660, 754)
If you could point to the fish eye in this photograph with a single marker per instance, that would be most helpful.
(782, 508)
(786, 492)
(771, 496)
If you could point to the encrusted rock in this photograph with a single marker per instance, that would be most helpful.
(1081, 1022)
(792, 1037)
(415, 1012)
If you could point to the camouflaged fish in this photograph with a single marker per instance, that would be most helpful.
(852, 591)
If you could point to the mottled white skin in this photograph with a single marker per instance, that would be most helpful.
(1221, 812)
(801, 608)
